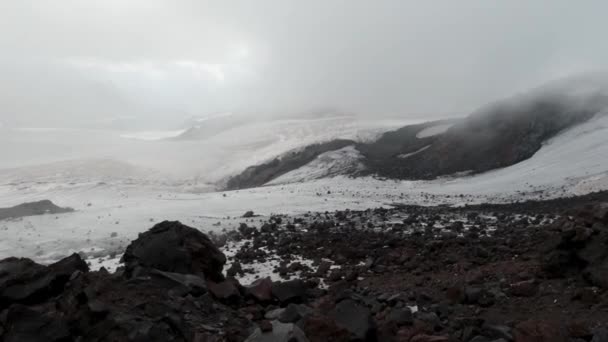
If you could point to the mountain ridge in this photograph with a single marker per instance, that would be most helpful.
(498, 135)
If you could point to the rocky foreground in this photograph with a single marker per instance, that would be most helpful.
(527, 272)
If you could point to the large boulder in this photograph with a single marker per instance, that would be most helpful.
(292, 291)
(186, 283)
(24, 281)
(355, 318)
(579, 242)
(260, 290)
(28, 325)
(173, 247)
(226, 290)
(320, 328)
(540, 331)
(281, 332)
(600, 335)
(294, 312)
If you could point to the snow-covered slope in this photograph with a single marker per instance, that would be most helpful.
(574, 160)
(333, 163)
(127, 197)
(578, 156)
(205, 160)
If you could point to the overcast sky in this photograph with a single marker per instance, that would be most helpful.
(84, 61)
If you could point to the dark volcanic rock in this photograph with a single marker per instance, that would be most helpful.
(401, 316)
(429, 338)
(224, 290)
(356, 319)
(31, 209)
(600, 335)
(260, 289)
(24, 281)
(192, 284)
(539, 331)
(174, 247)
(503, 294)
(27, 325)
(575, 246)
(280, 332)
(527, 288)
(320, 328)
(294, 313)
(292, 291)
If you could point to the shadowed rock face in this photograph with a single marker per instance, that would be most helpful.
(173, 247)
(31, 209)
(24, 281)
(498, 137)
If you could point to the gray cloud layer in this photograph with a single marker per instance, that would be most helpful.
(83, 60)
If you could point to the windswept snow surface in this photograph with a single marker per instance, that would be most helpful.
(575, 162)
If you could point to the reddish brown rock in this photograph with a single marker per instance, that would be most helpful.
(527, 288)
(322, 328)
(455, 294)
(223, 290)
(260, 289)
(429, 338)
(265, 326)
(539, 331)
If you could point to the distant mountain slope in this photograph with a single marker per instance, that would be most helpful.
(496, 136)
(501, 136)
(31, 209)
(261, 174)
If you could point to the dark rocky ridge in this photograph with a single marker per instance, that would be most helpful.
(259, 175)
(502, 135)
(496, 136)
(31, 209)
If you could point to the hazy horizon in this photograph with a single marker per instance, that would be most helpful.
(159, 62)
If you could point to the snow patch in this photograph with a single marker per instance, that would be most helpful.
(109, 263)
(433, 130)
(327, 164)
(406, 155)
(259, 270)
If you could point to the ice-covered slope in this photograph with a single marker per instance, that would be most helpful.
(574, 162)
